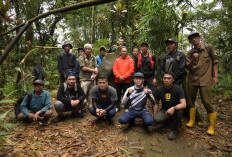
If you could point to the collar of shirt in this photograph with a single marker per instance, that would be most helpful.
(41, 94)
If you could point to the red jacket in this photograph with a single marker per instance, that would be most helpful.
(123, 67)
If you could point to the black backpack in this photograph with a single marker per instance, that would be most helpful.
(19, 101)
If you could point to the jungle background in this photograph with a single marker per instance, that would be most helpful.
(134, 21)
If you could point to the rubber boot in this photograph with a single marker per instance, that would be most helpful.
(212, 119)
(192, 114)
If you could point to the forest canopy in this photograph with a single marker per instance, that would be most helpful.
(134, 21)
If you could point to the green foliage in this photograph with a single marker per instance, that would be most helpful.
(5, 126)
(224, 85)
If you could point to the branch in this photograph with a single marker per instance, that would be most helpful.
(61, 10)
(55, 11)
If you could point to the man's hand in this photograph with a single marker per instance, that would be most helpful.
(74, 103)
(154, 81)
(145, 90)
(195, 55)
(102, 112)
(96, 71)
(94, 77)
(121, 78)
(30, 115)
(215, 81)
(130, 90)
(170, 111)
(98, 112)
(35, 116)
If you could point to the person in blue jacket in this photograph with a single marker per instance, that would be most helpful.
(39, 107)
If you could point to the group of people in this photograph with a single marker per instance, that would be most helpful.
(135, 77)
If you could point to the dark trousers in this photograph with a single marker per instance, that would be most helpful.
(174, 119)
(149, 83)
(132, 114)
(109, 114)
(43, 117)
(206, 97)
(119, 88)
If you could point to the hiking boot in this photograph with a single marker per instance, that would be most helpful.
(58, 119)
(172, 134)
(83, 113)
(131, 123)
(75, 115)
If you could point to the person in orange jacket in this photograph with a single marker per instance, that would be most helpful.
(123, 69)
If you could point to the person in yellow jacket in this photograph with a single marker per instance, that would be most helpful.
(202, 63)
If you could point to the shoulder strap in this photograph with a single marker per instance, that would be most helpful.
(151, 61)
(139, 64)
(65, 86)
(209, 50)
(29, 98)
(75, 87)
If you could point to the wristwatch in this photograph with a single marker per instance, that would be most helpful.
(175, 107)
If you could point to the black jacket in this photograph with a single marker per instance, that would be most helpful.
(70, 94)
(175, 63)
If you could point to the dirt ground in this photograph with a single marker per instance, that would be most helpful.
(88, 137)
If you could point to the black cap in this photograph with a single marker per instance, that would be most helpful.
(170, 40)
(102, 48)
(41, 82)
(138, 74)
(193, 34)
(81, 48)
(67, 43)
(145, 43)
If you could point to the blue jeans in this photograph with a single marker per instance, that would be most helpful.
(132, 114)
(109, 114)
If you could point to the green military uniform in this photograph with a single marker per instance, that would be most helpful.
(87, 62)
(201, 76)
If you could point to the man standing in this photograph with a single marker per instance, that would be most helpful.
(104, 98)
(81, 51)
(101, 56)
(88, 72)
(146, 63)
(123, 68)
(202, 63)
(173, 101)
(70, 97)
(66, 61)
(174, 61)
(39, 106)
(135, 53)
(137, 97)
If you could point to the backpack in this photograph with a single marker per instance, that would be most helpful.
(19, 101)
(150, 59)
(66, 86)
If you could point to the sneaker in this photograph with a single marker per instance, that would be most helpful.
(58, 119)
(172, 134)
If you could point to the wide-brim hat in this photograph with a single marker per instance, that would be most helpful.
(67, 43)
(193, 34)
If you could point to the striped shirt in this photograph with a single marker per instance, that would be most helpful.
(138, 97)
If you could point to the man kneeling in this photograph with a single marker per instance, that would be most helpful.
(173, 101)
(39, 106)
(70, 97)
(137, 96)
(104, 98)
